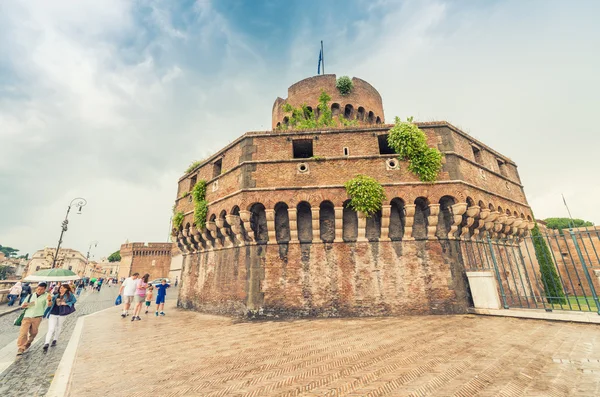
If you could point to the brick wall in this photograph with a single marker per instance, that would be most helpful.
(151, 258)
(337, 279)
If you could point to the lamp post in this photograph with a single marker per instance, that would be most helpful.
(87, 257)
(77, 202)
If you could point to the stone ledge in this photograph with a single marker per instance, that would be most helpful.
(540, 314)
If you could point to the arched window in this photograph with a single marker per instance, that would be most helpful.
(308, 111)
(371, 118)
(258, 223)
(304, 221)
(378, 120)
(348, 112)
(360, 114)
(286, 120)
(373, 229)
(397, 219)
(350, 223)
(282, 223)
(445, 216)
(421, 222)
(335, 109)
(327, 221)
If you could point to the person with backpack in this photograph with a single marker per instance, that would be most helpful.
(25, 292)
(32, 317)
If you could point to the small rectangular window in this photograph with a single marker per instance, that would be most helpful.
(502, 167)
(384, 148)
(193, 181)
(346, 152)
(303, 148)
(217, 166)
(477, 155)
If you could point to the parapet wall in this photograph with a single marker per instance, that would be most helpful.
(327, 279)
(363, 103)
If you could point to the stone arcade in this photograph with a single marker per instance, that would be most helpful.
(280, 239)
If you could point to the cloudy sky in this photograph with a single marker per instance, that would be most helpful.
(111, 100)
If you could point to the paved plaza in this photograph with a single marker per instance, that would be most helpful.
(192, 354)
(32, 373)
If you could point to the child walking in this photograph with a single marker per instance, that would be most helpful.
(149, 297)
(160, 297)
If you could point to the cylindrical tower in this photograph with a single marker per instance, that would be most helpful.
(363, 103)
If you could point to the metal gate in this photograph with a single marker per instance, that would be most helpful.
(553, 270)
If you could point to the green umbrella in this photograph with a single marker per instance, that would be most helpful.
(52, 275)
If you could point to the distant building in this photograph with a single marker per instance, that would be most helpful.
(15, 266)
(67, 259)
(151, 258)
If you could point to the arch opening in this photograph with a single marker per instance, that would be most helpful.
(327, 221)
(282, 223)
(258, 223)
(348, 112)
(397, 219)
(304, 221)
(349, 223)
(373, 227)
(445, 217)
(420, 221)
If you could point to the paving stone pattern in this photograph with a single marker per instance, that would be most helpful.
(192, 354)
(25, 377)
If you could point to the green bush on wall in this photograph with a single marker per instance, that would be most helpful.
(411, 144)
(549, 275)
(344, 85)
(366, 194)
(200, 204)
(178, 220)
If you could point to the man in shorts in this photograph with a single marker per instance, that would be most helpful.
(127, 291)
(160, 296)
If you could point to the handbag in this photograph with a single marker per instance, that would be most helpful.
(65, 310)
(19, 319)
(118, 301)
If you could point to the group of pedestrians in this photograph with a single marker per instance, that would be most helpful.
(59, 305)
(19, 292)
(137, 290)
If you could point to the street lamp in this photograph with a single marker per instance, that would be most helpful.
(77, 202)
(87, 257)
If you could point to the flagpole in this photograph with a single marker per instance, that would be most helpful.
(568, 210)
(322, 57)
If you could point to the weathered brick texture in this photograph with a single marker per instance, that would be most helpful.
(258, 192)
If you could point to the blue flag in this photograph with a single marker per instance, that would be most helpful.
(320, 59)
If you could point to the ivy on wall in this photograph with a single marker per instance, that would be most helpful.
(192, 166)
(344, 85)
(200, 204)
(411, 144)
(178, 220)
(366, 194)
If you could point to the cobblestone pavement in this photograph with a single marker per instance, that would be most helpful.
(191, 354)
(32, 373)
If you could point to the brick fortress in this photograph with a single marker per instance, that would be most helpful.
(281, 240)
(151, 258)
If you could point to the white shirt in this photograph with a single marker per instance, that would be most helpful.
(129, 286)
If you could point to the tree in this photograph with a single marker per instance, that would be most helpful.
(549, 275)
(115, 256)
(565, 223)
(9, 251)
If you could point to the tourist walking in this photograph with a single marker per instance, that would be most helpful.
(149, 297)
(14, 293)
(140, 296)
(34, 310)
(99, 284)
(127, 291)
(161, 295)
(80, 286)
(25, 292)
(176, 281)
(61, 305)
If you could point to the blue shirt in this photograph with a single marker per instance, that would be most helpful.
(162, 289)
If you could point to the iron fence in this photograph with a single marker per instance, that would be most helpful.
(551, 270)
